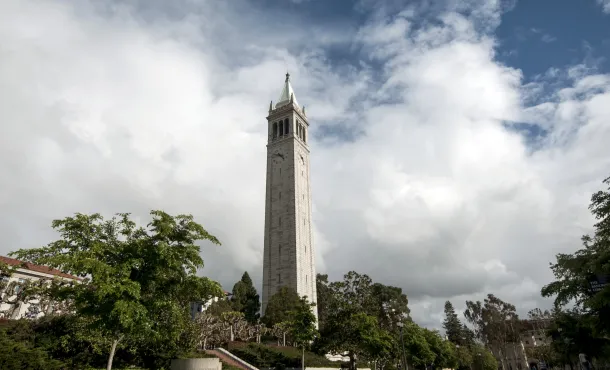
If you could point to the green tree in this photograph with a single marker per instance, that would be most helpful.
(351, 320)
(444, 351)
(20, 355)
(280, 305)
(464, 356)
(388, 304)
(303, 326)
(452, 325)
(137, 282)
(324, 297)
(245, 299)
(219, 307)
(496, 324)
(419, 353)
(483, 359)
(356, 333)
(575, 273)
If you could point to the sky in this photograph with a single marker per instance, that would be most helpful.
(455, 144)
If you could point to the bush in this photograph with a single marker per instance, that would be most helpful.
(20, 355)
(268, 356)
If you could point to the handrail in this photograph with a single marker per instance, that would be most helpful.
(236, 359)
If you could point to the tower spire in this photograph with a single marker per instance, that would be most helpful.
(287, 96)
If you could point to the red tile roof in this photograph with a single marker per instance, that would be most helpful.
(37, 268)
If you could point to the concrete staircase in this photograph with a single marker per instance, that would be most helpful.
(230, 359)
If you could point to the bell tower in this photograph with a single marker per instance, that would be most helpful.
(289, 255)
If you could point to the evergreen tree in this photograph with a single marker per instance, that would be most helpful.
(452, 325)
(245, 299)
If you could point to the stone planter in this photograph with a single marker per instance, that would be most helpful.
(196, 364)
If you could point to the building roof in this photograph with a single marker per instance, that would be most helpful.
(287, 94)
(37, 268)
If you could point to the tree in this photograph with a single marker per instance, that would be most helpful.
(206, 324)
(280, 305)
(245, 299)
(219, 307)
(324, 297)
(233, 322)
(452, 325)
(444, 351)
(280, 331)
(303, 326)
(351, 324)
(483, 359)
(388, 304)
(578, 275)
(356, 333)
(419, 353)
(19, 355)
(464, 356)
(137, 282)
(496, 324)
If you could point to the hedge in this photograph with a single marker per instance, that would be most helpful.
(267, 356)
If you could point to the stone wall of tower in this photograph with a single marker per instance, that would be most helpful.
(289, 255)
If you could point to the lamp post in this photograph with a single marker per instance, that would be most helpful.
(402, 344)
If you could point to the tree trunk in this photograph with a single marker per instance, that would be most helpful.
(352, 361)
(232, 335)
(303, 359)
(284, 340)
(112, 351)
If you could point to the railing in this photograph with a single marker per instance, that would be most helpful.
(236, 359)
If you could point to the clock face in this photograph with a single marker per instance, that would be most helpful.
(278, 157)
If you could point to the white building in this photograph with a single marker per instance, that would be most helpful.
(11, 305)
(289, 255)
(198, 307)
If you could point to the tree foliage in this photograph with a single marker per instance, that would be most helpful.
(452, 325)
(137, 282)
(575, 273)
(245, 299)
(280, 305)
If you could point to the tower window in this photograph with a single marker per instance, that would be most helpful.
(274, 129)
(281, 128)
(304, 137)
(286, 127)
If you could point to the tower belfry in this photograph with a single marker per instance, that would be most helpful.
(289, 255)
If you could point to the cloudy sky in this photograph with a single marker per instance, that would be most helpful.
(455, 143)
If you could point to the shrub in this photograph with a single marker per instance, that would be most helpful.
(19, 355)
(268, 356)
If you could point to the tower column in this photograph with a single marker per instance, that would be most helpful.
(289, 254)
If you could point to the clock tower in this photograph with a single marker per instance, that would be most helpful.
(289, 256)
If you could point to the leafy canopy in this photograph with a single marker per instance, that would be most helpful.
(280, 305)
(137, 282)
(575, 272)
(245, 299)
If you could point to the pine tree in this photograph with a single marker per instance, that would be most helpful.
(452, 325)
(245, 299)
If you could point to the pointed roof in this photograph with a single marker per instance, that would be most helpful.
(287, 94)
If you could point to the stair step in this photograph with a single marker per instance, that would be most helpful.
(226, 359)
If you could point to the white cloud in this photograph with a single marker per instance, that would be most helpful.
(605, 4)
(106, 110)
